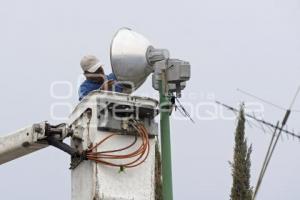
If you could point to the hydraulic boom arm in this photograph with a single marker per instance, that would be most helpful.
(30, 139)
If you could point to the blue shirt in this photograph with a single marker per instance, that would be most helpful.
(88, 86)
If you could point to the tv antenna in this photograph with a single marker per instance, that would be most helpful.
(278, 129)
(273, 144)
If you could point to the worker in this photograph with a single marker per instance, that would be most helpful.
(96, 78)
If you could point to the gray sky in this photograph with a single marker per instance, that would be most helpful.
(253, 45)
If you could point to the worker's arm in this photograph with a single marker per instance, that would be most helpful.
(112, 83)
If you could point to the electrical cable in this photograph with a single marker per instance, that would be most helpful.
(183, 111)
(110, 158)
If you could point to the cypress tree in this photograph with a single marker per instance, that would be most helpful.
(241, 189)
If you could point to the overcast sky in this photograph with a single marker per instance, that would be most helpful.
(253, 45)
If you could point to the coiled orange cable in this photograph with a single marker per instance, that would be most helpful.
(139, 155)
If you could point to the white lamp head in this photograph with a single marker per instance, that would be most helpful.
(128, 58)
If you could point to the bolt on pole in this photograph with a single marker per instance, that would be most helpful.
(165, 139)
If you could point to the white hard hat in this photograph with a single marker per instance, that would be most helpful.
(90, 63)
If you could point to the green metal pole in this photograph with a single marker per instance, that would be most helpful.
(165, 139)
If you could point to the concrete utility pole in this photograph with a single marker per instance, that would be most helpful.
(94, 119)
